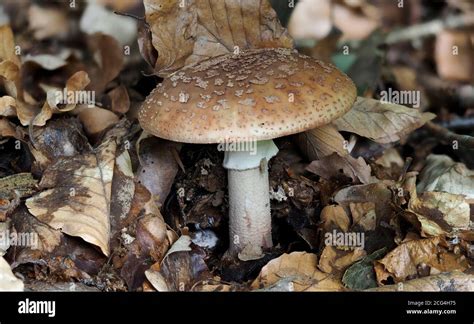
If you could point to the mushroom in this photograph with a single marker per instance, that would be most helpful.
(242, 102)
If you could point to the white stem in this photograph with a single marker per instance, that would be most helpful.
(249, 202)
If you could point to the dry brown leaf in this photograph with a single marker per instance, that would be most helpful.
(182, 268)
(314, 20)
(363, 215)
(457, 66)
(454, 281)
(95, 120)
(381, 122)
(47, 22)
(7, 45)
(158, 165)
(334, 217)
(320, 142)
(8, 281)
(404, 261)
(441, 173)
(109, 59)
(331, 166)
(300, 269)
(334, 261)
(7, 106)
(440, 213)
(77, 193)
(199, 30)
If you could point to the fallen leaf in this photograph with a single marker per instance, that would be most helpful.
(334, 165)
(7, 106)
(320, 142)
(77, 193)
(300, 268)
(441, 213)
(120, 101)
(334, 261)
(47, 22)
(7, 129)
(96, 120)
(188, 34)
(361, 275)
(48, 62)
(182, 268)
(108, 58)
(449, 282)
(404, 261)
(441, 173)
(389, 122)
(8, 281)
(334, 217)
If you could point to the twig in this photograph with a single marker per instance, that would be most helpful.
(429, 28)
(447, 135)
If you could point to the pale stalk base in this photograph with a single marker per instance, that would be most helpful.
(249, 212)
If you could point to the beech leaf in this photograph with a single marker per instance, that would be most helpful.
(199, 30)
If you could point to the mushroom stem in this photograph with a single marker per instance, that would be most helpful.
(249, 201)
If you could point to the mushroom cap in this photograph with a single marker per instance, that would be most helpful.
(256, 95)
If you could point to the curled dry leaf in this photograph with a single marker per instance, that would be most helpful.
(77, 193)
(440, 213)
(331, 166)
(361, 275)
(7, 129)
(334, 261)
(151, 241)
(63, 100)
(320, 142)
(158, 165)
(9, 63)
(8, 281)
(441, 173)
(300, 268)
(389, 122)
(199, 30)
(12, 189)
(97, 19)
(406, 260)
(453, 281)
(120, 101)
(59, 137)
(334, 217)
(96, 120)
(109, 59)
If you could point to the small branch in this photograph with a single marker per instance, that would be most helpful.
(429, 28)
(445, 134)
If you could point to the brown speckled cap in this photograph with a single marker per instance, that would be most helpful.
(260, 94)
